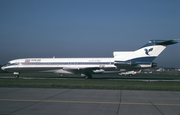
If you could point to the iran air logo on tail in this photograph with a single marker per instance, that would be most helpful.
(148, 50)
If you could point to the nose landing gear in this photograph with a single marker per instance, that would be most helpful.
(17, 74)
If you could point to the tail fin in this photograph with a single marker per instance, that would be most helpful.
(146, 53)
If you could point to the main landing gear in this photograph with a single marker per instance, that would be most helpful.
(87, 76)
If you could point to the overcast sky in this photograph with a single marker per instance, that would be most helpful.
(87, 28)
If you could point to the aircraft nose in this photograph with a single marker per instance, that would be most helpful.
(3, 68)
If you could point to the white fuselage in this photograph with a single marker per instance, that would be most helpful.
(122, 61)
(60, 65)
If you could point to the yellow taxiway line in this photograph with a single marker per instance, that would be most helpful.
(88, 102)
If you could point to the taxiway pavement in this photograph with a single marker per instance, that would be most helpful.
(42, 101)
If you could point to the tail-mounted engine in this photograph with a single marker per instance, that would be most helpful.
(134, 64)
(124, 63)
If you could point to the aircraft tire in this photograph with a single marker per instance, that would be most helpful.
(89, 76)
(86, 77)
(17, 76)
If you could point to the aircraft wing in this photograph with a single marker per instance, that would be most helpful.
(74, 70)
(81, 70)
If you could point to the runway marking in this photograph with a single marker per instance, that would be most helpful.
(88, 102)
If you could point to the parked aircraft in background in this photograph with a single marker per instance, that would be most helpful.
(126, 60)
(130, 73)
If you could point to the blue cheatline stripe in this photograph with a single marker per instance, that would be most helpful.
(143, 59)
(69, 63)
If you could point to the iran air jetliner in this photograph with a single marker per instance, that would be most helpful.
(122, 61)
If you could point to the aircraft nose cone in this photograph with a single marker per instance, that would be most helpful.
(2, 68)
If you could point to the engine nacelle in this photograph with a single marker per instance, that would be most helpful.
(124, 63)
(146, 65)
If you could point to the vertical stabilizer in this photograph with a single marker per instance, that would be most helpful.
(146, 53)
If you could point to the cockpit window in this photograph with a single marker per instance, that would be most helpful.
(6, 65)
(9, 64)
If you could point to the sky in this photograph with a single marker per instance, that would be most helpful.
(87, 28)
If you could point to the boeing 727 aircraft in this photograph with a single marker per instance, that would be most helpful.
(122, 61)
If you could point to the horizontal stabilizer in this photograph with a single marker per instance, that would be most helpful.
(167, 42)
(161, 42)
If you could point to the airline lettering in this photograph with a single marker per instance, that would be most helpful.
(32, 60)
(36, 60)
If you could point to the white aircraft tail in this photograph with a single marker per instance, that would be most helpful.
(146, 53)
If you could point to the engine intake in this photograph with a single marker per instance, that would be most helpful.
(153, 64)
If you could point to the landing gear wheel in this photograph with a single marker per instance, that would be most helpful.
(89, 76)
(17, 76)
(86, 77)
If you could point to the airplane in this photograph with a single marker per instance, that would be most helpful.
(130, 73)
(122, 60)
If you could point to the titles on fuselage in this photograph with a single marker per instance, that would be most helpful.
(32, 60)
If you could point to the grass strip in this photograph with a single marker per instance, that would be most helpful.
(92, 84)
